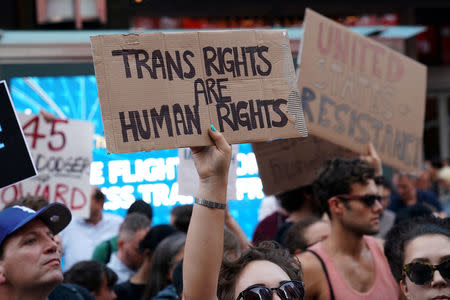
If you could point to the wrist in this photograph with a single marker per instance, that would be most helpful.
(215, 179)
(213, 188)
(210, 204)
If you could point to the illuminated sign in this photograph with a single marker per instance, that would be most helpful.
(124, 178)
(16, 161)
(2, 145)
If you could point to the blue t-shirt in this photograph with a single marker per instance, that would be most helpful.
(428, 198)
(168, 293)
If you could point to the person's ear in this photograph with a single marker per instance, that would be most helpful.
(2, 272)
(336, 206)
(404, 288)
(148, 253)
(120, 243)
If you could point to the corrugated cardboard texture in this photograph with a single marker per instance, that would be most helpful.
(355, 91)
(163, 90)
(288, 164)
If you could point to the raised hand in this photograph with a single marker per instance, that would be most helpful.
(372, 158)
(212, 163)
(204, 243)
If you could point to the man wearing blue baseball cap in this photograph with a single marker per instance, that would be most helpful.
(30, 266)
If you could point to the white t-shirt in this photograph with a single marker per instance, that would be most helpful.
(79, 238)
(123, 272)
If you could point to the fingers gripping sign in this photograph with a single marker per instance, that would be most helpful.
(212, 163)
(373, 159)
(204, 243)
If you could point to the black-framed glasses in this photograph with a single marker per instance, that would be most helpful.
(288, 290)
(368, 199)
(421, 273)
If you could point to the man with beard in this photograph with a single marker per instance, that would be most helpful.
(349, 264)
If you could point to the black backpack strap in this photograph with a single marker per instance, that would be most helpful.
(108, 251)
(325, 271)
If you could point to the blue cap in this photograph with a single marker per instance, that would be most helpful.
(55, 215)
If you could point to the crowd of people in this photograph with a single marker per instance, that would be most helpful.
(352, 234)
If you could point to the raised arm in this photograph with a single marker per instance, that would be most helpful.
(204, 243)
(234, 226)
(372, 158)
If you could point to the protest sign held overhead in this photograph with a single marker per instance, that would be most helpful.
(188, 179)
(163, 90)
(62, 153)
(15, 158)
(355, 91)
(289, 164)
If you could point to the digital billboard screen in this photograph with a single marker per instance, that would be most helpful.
(151, 176)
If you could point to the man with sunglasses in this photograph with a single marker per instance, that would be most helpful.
(349, 264)
(418, 251)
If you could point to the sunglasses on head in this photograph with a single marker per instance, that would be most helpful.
(288, 290)
(368, 199)
(421, 273)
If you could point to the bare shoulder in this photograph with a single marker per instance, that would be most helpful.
(313, 276)
(309, 262)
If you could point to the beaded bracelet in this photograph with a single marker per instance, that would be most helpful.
(210, 204)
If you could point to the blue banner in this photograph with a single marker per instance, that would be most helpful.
(151, 176)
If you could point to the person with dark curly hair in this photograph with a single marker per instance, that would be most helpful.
(299, 204)
(305, 233)
(418, 252)
(349, 264)
(264, 272)
(97, 278)
(256, 259)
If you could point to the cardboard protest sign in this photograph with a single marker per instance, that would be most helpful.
(163, 90)
(355, 91)
(62, 152)
(15, 158)
(288, 164)
(188, 178)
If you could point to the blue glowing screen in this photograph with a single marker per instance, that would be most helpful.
(117, 174)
